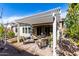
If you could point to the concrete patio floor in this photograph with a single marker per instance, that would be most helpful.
(9, 50)
(33, 48)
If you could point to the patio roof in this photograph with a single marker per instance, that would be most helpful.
(42, 17)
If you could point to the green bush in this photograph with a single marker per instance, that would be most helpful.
(10, 34)
(1, 31)
(72, 21)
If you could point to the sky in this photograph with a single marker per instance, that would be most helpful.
(13, 11)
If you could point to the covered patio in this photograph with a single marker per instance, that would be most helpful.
(42, 24)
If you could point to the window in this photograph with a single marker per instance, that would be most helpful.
(23, 29)
(38, 30)
(29, 30)
(16, 29)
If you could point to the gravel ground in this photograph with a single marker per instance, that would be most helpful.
(11, 51)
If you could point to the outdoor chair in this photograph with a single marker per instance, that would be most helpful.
(34, 37)
(42, 43)
(28, 40)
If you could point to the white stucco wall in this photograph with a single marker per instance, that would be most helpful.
(21, 31)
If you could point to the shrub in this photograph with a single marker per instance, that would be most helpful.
(10, 34)
(50, 40)
(1, 31)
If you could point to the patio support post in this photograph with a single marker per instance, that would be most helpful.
(54, 35)
(55, 21)
(18, 33)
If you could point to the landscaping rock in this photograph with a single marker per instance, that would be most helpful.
(67, 48)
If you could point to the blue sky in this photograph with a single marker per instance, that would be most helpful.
(18, 10)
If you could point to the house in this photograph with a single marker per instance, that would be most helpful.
(40, 24)
(11, 26)
(25, 30)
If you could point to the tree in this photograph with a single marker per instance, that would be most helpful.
(72, 21)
